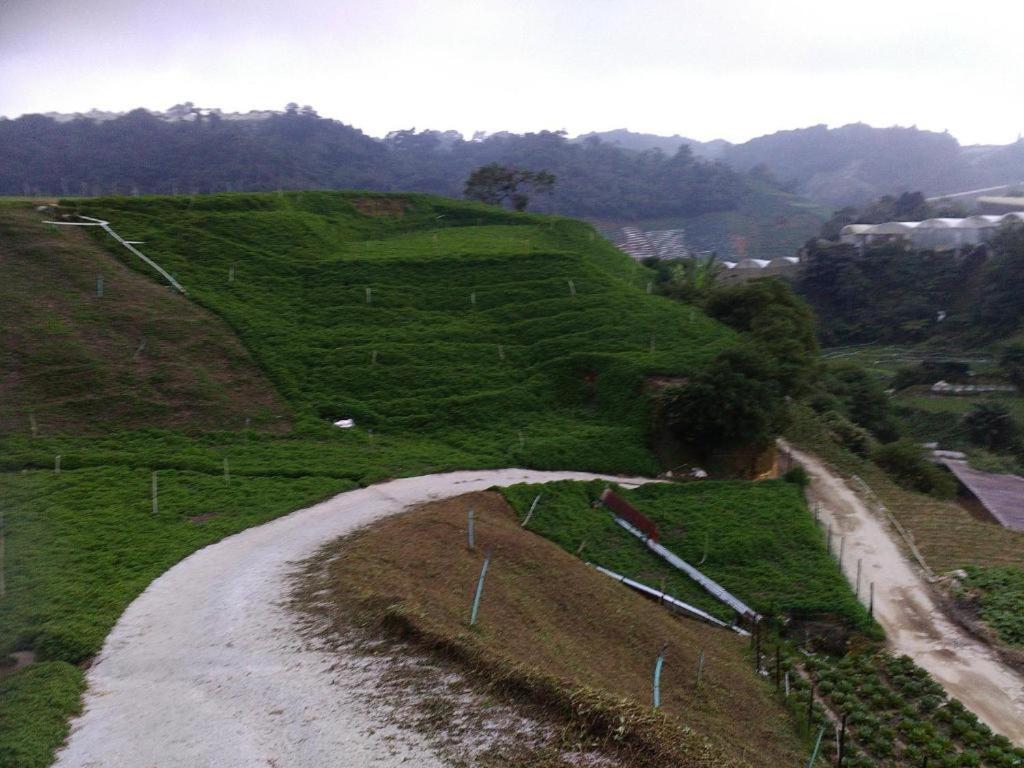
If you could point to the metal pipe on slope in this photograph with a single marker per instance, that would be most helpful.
(673, 602)
(712, 586)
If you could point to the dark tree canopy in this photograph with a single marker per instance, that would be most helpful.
(778, 321)
(496, 184)
(296, 149)
(734, 402)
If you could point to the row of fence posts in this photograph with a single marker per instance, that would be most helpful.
(842, 553)
(474, 612)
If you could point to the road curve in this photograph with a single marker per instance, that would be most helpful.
(205, 668)
(914, 623)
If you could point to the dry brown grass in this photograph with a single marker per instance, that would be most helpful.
(73, 360)
(556, 632)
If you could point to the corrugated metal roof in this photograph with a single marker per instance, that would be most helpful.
(1001, 495)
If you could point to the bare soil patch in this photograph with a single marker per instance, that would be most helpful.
(380, 206)
(140, 355)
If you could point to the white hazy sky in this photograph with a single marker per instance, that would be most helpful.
(732, 69)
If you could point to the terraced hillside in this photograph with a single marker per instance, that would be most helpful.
(456, 335)
(523, 337)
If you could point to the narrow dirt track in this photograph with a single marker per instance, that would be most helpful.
(914, 623)
(206, 667)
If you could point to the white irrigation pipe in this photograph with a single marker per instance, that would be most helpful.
(129, 244)
(716, 589)
(674, 602)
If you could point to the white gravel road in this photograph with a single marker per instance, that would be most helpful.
(206, 667)
(905, 607)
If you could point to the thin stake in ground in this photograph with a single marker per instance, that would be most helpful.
(479, 589)
(658, 664)
(532, 507)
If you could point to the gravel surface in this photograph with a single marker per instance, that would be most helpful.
(207, 668)
(914, 623)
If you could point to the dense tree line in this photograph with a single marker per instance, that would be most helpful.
(889, 293)
(142, 153)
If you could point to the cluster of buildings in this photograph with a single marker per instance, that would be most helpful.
(668, 244)
(661, 243)
(750, 268)
(931, 234)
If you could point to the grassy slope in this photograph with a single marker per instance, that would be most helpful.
(946, 534)
(35, 705)
(73, 359)
(305, 261)
(82, 544)
(554, 627)
(762, 544)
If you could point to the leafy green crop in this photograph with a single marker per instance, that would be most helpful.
(83, 544)
(756, 539)
(1001, 599)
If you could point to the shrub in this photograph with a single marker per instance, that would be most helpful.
(734, 402)
(798, 476)
(990, 425)
(905, 462)
(847, 434)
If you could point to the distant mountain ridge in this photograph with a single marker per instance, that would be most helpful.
(857, 163)
(642, 142)
(847, 165)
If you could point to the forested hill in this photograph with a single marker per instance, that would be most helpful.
(856, 163)
(143, 153)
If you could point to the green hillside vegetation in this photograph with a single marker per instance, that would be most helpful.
(758, 540)
(35, 705)
(83, 544)
(486, 339)
(555, 633)
(998, 594)
(468, 332)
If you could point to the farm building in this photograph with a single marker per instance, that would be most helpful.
(941, 234)
(748, 269)
(1000, 205)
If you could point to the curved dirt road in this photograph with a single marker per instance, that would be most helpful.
(206, 667)
(915, 625)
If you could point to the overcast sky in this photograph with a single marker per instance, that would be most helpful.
(732, 69)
